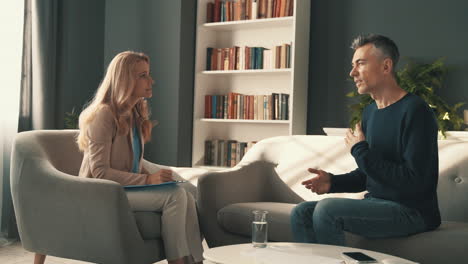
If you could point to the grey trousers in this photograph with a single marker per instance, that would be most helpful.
(179, 221)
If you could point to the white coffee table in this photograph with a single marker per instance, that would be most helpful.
(287, 253)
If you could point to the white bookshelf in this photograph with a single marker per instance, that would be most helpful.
(268, 32)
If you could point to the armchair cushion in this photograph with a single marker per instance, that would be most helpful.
(237, 218)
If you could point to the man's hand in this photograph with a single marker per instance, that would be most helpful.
(320, 184)
(356, 137)
(160, 177)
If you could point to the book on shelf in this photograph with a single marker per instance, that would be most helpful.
(249, 107)
(235, 10)
(225, 153)
(246, 58)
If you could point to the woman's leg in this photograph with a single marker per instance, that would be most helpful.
(194, 238)
(172, 202)
(39, 258)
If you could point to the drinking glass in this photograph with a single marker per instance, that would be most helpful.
(259, 229)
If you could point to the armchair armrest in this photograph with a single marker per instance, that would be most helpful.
(253, 182)
(64, 215)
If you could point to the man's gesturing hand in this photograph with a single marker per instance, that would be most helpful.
(160, 177)
(320, 184)
(353, 138)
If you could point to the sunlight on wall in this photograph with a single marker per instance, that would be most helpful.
(11, 25)
(11, 32)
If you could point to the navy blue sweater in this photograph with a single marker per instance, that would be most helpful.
(399, 160)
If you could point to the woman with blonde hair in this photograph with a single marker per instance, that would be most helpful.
(113, 130)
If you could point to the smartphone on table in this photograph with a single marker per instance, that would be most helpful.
(358, 258)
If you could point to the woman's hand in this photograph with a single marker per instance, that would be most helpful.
(160, 177)
(320, 184)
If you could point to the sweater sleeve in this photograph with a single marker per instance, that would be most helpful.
(100, 132)
(354, 181)
(419, 142)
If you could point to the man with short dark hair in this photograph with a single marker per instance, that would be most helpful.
(396, 151)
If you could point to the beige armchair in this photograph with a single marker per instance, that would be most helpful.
(66, 216)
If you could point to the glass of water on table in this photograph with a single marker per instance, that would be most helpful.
(259, 229)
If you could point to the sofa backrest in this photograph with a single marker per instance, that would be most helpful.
(57, 146)
(294, 154)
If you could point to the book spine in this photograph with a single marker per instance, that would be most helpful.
(228, 153)
(282, 8)
(214, 152)
(241, 107)
(260, 107)
(237, 57)
(225, 108)
(232, 58)
(254, 9)
(209, 54)
(222, 146)
(217, 11)
(219, 59)
(255, 103)
(207, 108)
(238, 108)
(287, 6)
(233, 153)
(238, 153)
(247, 58)
(207, 152)
(209, 12)
(291, 8)
(213, 106)
(270, 9)
(222, 15)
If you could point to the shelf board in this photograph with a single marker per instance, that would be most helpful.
(250, 24)
(240, 72)
(244, 121)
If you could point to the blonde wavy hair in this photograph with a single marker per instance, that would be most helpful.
(115, 92)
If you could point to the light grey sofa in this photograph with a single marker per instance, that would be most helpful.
(269, 177)
(79, 218)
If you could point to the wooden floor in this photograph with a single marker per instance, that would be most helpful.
(14, 253)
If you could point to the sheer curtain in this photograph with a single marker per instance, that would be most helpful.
(11, 24)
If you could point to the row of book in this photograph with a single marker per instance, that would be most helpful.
(234, 10)
(246, 58)
(225, 153)
(253, 107)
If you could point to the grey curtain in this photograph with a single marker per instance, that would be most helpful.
(39, 84)
(38, 88)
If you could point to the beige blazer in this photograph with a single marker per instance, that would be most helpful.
(109, 155)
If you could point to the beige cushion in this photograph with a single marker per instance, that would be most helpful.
(237, 219)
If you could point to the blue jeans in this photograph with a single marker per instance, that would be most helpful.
(325, 221)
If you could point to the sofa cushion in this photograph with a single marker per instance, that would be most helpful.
(237, 219)
(443, 245)
(149, 224)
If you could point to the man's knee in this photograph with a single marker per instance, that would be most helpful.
(302, 211)
(327, 208)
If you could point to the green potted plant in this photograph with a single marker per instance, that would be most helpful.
(71, 119)
(422, 79)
